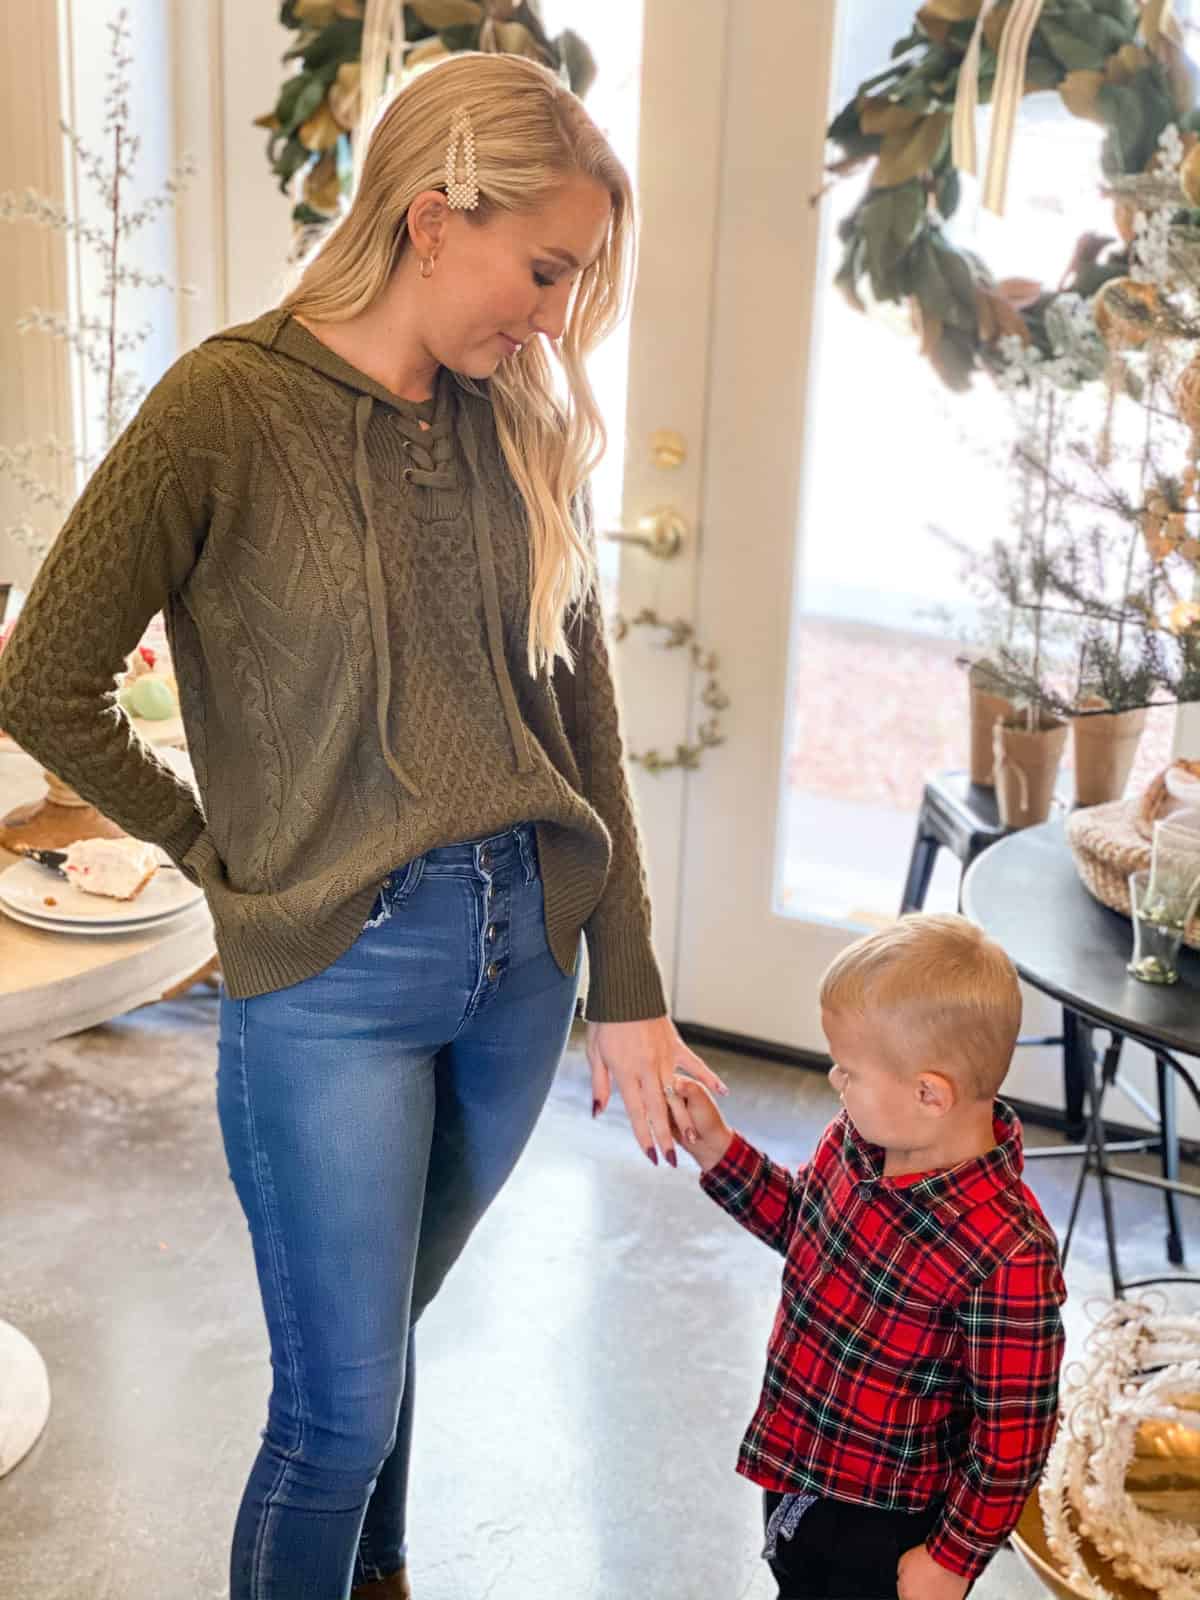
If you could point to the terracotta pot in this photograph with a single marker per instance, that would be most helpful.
(987, 708)
(1105, 746)
(1026, 770)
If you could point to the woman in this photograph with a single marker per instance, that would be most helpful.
(359, 513)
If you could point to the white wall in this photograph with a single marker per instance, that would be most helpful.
(234, 228)
(255, 219)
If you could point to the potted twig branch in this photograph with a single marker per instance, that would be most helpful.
(1106, 733)
(988, 705)
(1028, 745)
(1028, 749)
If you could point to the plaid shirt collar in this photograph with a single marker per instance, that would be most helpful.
(944, 1195)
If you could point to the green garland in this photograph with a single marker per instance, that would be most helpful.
(316, 112)
(1110, 61)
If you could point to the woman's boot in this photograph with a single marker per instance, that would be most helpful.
(393, 1587)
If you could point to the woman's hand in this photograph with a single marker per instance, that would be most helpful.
(642, 1057)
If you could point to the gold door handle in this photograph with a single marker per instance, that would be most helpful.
(663, 532)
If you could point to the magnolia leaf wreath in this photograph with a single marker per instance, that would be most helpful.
(319, 107)
(1115, 62)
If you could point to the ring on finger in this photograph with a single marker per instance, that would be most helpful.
(668, 1091)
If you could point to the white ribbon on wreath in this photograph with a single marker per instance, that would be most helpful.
(1009, 88)
(382, 42)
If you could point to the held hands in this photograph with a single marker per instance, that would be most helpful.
(642, 1057)
(707, 1137)
(919, 1577)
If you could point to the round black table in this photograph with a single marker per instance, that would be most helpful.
(1026, 894)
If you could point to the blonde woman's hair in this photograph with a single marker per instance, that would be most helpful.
(945, 995)
(531, 134)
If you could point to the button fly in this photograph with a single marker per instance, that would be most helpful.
(493, 971)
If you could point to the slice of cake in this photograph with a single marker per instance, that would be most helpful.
(117, 868)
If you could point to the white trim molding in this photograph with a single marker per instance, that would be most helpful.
(35, 396)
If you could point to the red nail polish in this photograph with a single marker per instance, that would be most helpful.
(652, 1155)
(672, 1159)
(595, 1109)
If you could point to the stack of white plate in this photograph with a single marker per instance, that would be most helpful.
(39, 897)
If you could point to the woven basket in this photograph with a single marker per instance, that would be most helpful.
(1107, 847)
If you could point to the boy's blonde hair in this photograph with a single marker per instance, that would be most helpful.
(945, 986)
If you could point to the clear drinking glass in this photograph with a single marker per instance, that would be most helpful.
(1160, 919)
(1175, 855)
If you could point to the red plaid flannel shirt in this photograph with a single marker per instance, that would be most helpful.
(915, 1352)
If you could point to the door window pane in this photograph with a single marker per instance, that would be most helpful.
(877, 701)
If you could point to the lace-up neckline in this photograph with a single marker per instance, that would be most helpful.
(421, 442)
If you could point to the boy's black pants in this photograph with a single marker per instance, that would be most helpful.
(841, 1551)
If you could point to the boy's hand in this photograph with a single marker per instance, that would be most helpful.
(707, 1140)
(919, 1577)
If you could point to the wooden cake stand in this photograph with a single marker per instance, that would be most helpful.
(59, 817)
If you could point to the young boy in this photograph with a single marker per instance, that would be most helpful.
(912, 1371)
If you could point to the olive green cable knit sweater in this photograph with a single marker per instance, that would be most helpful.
(347, 597)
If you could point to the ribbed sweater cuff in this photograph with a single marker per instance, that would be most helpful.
(624, 982)
(179, 842)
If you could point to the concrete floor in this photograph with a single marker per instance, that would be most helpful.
(586, 1373)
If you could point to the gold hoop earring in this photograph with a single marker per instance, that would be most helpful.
(427, 265)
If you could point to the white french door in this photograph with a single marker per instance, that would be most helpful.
(733, 108)
(804, 577)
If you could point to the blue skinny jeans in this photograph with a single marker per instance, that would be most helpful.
(371, 1114)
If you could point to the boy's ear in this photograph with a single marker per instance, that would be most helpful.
(936, 1093)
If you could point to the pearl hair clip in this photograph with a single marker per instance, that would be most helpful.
(462, 184)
